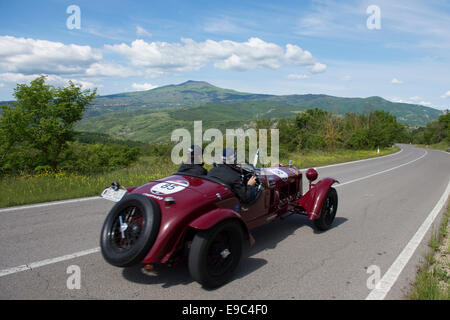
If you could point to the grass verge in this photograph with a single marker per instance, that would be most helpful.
(433, 277)
(309, 159)
(27, 189)
(443, 145)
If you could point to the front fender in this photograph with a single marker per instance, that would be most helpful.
(213, 217)
(312, 200)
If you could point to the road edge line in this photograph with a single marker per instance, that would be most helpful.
(383, 287)
(46, 204)
(38, 264)
(356, 161)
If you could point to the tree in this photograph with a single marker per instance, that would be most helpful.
(310, 126)
(435, 131)
(42, 118)
(384, 129)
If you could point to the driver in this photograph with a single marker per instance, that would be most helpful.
(229, 173)
(195, 165)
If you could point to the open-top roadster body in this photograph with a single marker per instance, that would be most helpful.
(199, 219)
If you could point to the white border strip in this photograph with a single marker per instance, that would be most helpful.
(42, 263)
(45, 204)
(362, 160)
(383, 287)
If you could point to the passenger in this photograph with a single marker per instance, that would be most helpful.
(230, 174)
(196, 164)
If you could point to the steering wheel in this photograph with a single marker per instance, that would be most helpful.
(248, 171)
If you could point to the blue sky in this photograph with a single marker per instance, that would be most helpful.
(277, 47)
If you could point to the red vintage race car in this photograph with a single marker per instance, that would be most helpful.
(198, 219)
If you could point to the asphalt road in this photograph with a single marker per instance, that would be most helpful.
(382, 203)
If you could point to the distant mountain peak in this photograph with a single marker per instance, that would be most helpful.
(195, 82)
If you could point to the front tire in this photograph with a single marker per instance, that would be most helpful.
(328, 212)
(215, 253)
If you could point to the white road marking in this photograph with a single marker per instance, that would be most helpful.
(42, 263)
(377, 173)
(356, 161)
(390, 277)
(45, 204)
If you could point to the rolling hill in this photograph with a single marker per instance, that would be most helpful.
(151, 116)
(186, 94)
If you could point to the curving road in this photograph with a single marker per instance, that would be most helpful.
(382, 216)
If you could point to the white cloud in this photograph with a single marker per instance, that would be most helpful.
(414, 100)
(297, 55)
(142, 32)
(222, 25)
(163, 57)
(346, 78)
(2, 85)
(51, 79)
(317, 67)
(30, 56)
(143, 86)
(446, 95)
(331, 19)
(425, 103)
(396, 81)
(296, 76)
(106, 69)
(16, 77)
(24, 59)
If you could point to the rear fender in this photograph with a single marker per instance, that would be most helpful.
(213, 217)
(312, 200)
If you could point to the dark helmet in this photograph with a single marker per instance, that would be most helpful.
(229, 156)
(196, 154)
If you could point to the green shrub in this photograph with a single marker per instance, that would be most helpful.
(92, 158)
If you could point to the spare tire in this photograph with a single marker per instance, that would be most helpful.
(130, 229)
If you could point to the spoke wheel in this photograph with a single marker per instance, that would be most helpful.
(126, 229)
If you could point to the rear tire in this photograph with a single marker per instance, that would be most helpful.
(127, 247)
(328, 212)
(215, 253)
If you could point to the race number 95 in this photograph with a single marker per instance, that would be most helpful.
(257, 309)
